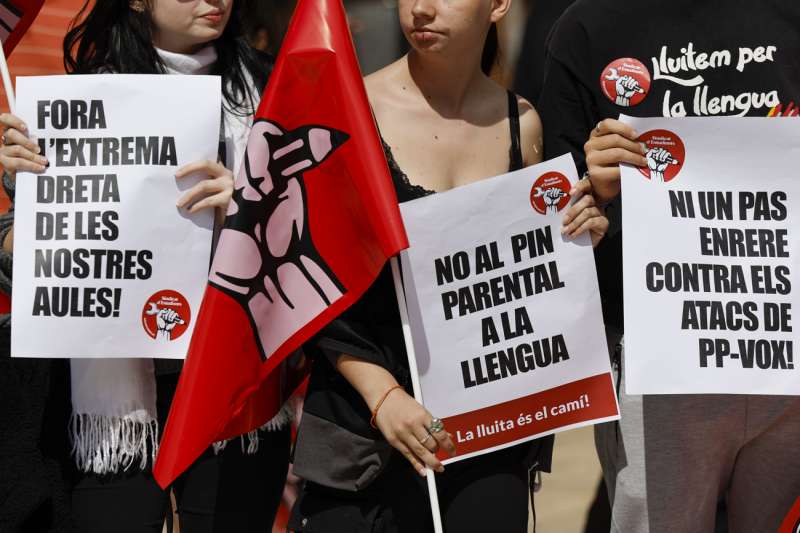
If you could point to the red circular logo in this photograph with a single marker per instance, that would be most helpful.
(625, 82)
(166, 315)
(665, 155)
(550, 193)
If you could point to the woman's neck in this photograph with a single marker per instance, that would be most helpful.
(197, 63)
(445, 83)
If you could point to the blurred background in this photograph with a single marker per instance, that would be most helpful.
(569, 501)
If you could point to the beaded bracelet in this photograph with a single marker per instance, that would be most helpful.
(383, 399)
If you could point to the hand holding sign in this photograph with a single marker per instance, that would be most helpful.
(584, 215)
(611, 143)
(214, 192)
(19, 152)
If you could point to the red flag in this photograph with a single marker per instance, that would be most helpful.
(792, 522)
(313, 220)
(16, 16)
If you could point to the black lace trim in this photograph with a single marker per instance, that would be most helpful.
(405, 189)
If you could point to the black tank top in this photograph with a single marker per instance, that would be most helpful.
(409, 191)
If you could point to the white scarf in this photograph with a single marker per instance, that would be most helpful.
(114, 423)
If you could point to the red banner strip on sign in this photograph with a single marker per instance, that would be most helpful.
(580, 401)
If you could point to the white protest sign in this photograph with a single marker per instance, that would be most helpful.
(105, 264)
(710, 257)
(505, 312)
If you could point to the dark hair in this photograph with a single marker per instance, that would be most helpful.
(491, 50)
(114, 37)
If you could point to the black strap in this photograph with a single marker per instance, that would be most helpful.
(515, 152)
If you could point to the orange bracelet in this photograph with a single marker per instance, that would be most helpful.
(383, 399)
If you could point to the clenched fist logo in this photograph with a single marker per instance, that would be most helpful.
(166, 320)
(551, 197)
(550, 193)
(657, 161)
(625, 81)
(166, 315)
(666, 155)
(266, 259)
(626, 87)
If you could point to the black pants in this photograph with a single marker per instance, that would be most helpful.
(487, 494)
(34, 448)
(228, 492)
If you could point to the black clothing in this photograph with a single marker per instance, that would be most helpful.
(397, 502)
(346, 462)
(219, 493)
(529, 71)
(694, 52)
(34, 413)
(34, 451)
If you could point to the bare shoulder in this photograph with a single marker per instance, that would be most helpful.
(530, 132)
(380, 86)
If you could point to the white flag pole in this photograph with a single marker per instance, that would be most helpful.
(412, 367)
(12, 100)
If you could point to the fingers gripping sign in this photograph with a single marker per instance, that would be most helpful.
(19, 152)
(584, 215)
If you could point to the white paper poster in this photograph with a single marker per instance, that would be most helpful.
(105, 264)
(710, 257)
(505, 312)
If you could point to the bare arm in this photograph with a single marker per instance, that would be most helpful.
(400, 418)
(530, 133)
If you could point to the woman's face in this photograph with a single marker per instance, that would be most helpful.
(184, 26)
(437, 25)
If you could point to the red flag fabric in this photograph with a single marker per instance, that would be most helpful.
(312, 221)
(16, 16)
(792, 522)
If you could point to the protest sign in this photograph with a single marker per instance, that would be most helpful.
(105, 264)
(505, 312)
(709, 257)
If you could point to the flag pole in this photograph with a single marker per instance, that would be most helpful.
(12, 101)
(412, 367)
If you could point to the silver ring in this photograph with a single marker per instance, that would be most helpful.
(428, 436)
(436, 426)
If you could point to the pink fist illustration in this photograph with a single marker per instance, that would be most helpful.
(265, 258)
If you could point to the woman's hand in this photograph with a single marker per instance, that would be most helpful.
(405, 425)
(400, 418)
(584, 215)
(19, 152)
(213, 192)
(610, 144)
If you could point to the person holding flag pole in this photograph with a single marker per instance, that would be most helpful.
(119, 404)
(364, 441)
